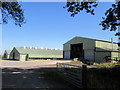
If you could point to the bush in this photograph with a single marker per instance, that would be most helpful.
(88, 62)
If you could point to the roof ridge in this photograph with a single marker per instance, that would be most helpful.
(89, 38)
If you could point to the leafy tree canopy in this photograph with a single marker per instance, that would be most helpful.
(112, 16)
(11, 9)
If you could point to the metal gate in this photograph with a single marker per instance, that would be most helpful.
(73, 74)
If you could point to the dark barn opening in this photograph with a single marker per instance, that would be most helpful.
(14, 56)
(5, 56)
(77, 51)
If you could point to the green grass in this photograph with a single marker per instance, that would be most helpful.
(52, 75)
(75, 63)
(78, 63)
(106, 64)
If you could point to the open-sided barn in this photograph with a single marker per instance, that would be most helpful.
(24, 53)
(89, 49)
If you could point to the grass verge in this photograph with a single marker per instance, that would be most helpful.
(53, 75)
(107, 64)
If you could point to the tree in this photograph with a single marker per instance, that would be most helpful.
(12, 10)
(112, 16)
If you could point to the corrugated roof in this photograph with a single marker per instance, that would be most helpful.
(40, 52)
(91, 39)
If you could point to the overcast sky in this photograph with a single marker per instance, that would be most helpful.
(49, 25)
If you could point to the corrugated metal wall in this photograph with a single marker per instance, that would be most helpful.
(67, 54)
(103, 46)
(100, 56)
(17, 55)
(89, 54)
(88, 44)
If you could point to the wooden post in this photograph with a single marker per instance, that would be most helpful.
(84, 76)
(57, 65)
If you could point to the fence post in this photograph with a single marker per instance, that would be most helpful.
(57, 65)
(84, 76)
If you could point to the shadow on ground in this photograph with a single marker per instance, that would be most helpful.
(28, 78)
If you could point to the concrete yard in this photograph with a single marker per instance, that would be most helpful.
(19, 78)
(30, 64)
(28, 74)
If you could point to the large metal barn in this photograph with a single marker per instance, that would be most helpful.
(25, 53)
(89, 49)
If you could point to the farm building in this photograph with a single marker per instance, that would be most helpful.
(89, 49)
(6, 54)
(24, 53)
